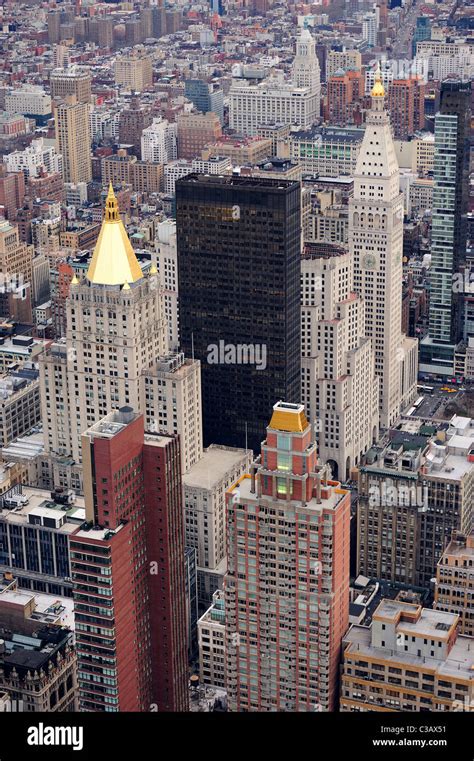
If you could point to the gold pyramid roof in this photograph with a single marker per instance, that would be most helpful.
(113, 261)
(288, 417)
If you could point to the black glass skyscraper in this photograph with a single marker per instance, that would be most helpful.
(239, 295)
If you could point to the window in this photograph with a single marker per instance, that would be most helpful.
(284, 442)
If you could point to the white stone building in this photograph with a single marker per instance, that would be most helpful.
(376, 245)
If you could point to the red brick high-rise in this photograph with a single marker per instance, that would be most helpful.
(406, 103)
(12, 193)
(345, 92)
(128, 570)
(287, 586)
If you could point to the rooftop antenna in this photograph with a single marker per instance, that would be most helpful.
(192, 346)
(246, 436)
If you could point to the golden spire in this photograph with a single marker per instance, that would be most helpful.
(75, 280)
(153, 270)
(113, 261)
(378, 90)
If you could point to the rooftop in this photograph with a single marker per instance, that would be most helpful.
(332, 496)
(459, 663)
(249, 183)
(113, 423)
(214, 465)
(41, 504)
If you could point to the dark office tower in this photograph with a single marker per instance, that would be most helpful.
(448, 239)
(128, 570)
(239, 283)
(455, 100)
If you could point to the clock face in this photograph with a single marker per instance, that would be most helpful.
(369, 262)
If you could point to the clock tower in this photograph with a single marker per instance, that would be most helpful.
(376, 244)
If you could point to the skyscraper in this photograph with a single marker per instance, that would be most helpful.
(115, 330)
(376, 244)
(448, 237)
(406, 103)
(128, 570)
(287, 586)
(239, 288)
(72, 140)
(339, 385)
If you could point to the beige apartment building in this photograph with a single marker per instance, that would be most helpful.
(74, 80)
(347, 60)
(124, 169)
(205, 485)
(454, 590)
(172, 395)
(133, 72)
(249, 150)
(16, 257)
(20, 408)
(409, 659)
(72, 140)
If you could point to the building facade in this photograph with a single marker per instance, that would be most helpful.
(454, 591)
(339, 385)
